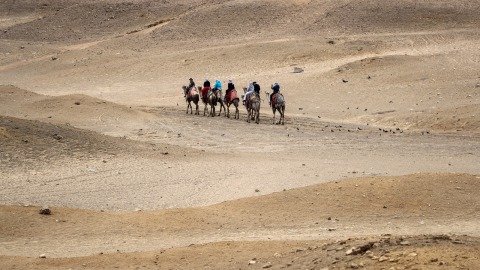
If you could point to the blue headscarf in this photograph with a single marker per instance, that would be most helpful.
(217, 84)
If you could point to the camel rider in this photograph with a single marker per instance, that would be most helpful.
(250, 89)
(206, 83)
(190, 85)
(256, 88)
(217, 86)
(206, 87)
(230, 87)
(276, 89)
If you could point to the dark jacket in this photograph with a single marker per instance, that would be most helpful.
(206, 83)
(276, 88)
(256, 88)
(230, 86)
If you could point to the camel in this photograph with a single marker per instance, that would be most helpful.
(191, 96)
(253, 107)
(278, 104)
(232, 99)
(212, 101)
(220, 100)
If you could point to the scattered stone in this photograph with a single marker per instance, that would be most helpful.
(43, 256)
(361, 249)
(45, 211)
(267, 265)
(57, 137)
(383, 258)
(344, 81)
(405, 243)
(297, 70)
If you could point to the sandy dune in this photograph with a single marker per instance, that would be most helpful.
(376, 166)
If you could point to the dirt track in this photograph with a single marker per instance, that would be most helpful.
(380, 147)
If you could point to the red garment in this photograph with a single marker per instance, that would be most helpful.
(205, 91)
(232, 94)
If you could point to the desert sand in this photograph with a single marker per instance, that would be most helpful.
(376, 166)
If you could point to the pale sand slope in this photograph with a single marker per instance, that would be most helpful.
(388, 90)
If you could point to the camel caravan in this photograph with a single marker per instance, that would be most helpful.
(213, 96)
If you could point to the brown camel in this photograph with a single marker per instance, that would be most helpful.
(191, 96)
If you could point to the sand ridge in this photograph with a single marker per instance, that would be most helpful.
(376, 166)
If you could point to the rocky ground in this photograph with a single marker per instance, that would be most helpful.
(376, 166)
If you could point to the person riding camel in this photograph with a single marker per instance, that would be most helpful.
(206, 87)
(276, 88)
(189, 87)
(256, 88)
(217, 86)
(250, 89)
(230, 87)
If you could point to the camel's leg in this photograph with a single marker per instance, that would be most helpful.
(273, 110)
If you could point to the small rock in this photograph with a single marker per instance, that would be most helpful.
(43, 256)
(353, 265)
(267, 265)
(383, 258)
(297, 70)
(405, 243)
(350, 251)
(45, 211)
